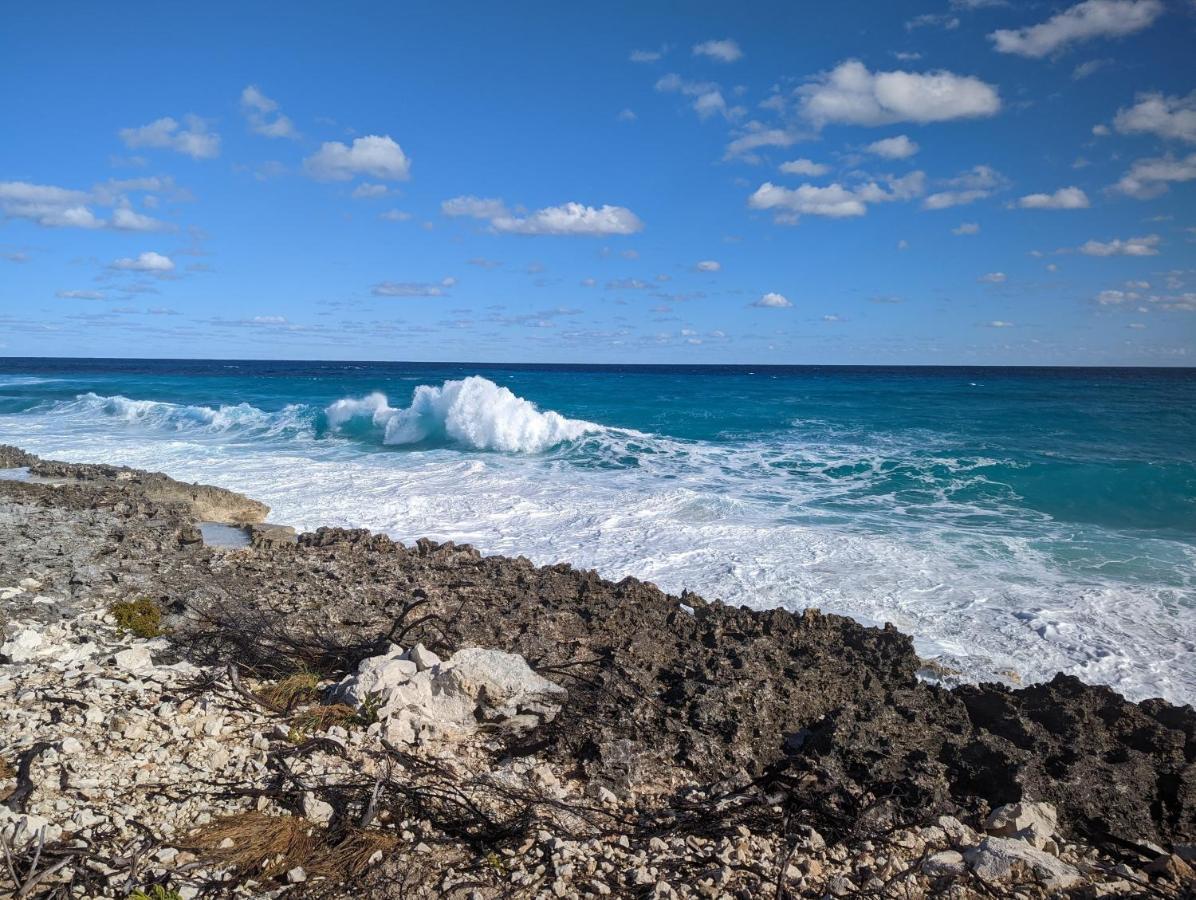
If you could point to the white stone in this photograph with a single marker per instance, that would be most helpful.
(1002, 859)
(133, 659)
(296, 875)
(70, 745)
(423, 657)
(25, 645)
(316, 809)
(945, 863)
(1035, 823)
(30, 584)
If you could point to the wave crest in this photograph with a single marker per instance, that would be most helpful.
(180, 417)
(473, 411)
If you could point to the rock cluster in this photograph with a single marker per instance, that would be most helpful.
(541, 732)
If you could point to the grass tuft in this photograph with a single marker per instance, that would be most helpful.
(155, 892)
(286, 693)
(141, 617)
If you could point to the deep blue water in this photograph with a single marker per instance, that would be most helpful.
(1012, 519)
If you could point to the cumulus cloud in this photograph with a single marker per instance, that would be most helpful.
(727, 50)
(804, 167)
(1151, 177)
(966, 228)
(708, 265)
(773, 300)
(55, 207)
(263, 116)
(899, 147)
(1171, 118)
(191, 139)
(1083, 22)
(1147, 245)
(378, 156)
(1064, 198)
(150, 262)
(993, 278)
(474, 207)
(834, 200)
(851, 94)
(571, 219)
(975, 184)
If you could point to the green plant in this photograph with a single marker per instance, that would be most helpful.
(141, 617)
(155, 892)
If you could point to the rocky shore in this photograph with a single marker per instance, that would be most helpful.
(336, 714)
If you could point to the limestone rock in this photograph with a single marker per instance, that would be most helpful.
(946, 863)
(1035, 823)
(1000, 859)
(133, 659)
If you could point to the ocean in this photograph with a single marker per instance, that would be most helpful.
(1016, 522)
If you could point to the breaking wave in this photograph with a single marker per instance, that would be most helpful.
(474, 412)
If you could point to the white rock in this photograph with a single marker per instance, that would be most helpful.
(30, 584)
(423, 657)
(25, 645)
(133, 659)
(1035, 823)
(18, 829)
(316, 809)
(945, 863)
(296, 875)
(70, 745)
(1002, 859)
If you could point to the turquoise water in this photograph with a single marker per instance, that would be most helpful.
(1013, 520)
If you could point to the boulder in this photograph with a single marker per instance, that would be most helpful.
(1000, 860)
(27, 644)
(1034, 823)
(944, 864)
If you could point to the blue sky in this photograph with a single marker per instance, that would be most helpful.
(957, 181)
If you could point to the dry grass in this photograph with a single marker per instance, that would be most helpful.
(285, 693)
(254, 844)
(6, 770)
(321, 718)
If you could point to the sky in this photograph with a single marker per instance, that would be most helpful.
(941, 182)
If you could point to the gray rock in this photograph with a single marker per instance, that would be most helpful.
(946, 863)
(1000, 859)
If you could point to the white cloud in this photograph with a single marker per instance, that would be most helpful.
(1082, 22)
(626, 115)
(708, 265)
(998, 323)
(899, 147)
(257, 108)
(804, 167)
(1115, 297)
(394, 215)
(833, 200)
(993, 278)
(1087, 69)
(1171, 118)
(758, 136)
(773, 300)
(55, 207)
(81, 295)
(375, 155)
(1064, 198)
(154, 263)
(724, 51)
(474, 207)
(966, 228)
(410, 288)
(976, 183)
(571, 219)
(125, 219)
(853, 95)
(647, 56)
(194, 140)
(707, 97)
(1135, 246)
(1151, 177)
(367, 190)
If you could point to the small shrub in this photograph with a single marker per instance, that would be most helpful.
(141, 617)
(155, 892)
(321, 718)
